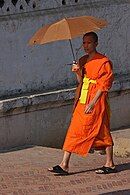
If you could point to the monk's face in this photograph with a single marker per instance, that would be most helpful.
(89, 44)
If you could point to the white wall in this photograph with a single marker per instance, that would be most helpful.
(26, 69)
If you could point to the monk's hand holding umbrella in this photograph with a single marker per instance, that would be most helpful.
(76, 69)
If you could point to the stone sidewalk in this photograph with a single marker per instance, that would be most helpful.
(24, 172)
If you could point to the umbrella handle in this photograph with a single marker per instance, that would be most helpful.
(72, 50)
(77, 51)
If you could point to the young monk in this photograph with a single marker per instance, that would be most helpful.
(90, 124)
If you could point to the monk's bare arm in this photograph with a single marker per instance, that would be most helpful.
(90, 106)
(98, 94)
(79, 77)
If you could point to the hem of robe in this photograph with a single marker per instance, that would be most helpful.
(101, 147)
(91, 145)
(85, 154)
(75, 152)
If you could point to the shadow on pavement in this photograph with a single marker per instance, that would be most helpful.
(123, 167)
(73, 173)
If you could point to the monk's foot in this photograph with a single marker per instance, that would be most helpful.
(109, 164)
(59, 169)
(64, 167)
(106, 170)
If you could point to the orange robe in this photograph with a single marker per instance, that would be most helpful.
(92, 130)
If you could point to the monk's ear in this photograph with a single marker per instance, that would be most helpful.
(96, 43)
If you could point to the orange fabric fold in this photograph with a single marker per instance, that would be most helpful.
(92, 130)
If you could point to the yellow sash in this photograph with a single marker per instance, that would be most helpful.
(85, 88)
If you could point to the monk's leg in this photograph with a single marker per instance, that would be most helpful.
(109, 157)
(109, 167)
(65, 161)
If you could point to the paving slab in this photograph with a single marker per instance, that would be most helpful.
(23, 171)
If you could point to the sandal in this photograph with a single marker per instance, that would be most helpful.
(59, 170)
(106, 170)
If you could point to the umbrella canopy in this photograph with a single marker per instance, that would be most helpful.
(67, 28)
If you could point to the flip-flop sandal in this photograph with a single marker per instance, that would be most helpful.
(106, 170)
(59, 170)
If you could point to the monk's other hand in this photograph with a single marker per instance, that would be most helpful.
(89, 107)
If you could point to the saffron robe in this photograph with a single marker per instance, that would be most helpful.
(92, 130)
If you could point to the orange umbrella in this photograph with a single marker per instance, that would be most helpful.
(67, 28)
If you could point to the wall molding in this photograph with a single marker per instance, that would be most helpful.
(13, 7)
(53, 99)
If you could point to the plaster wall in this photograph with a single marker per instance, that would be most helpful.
(36, 84)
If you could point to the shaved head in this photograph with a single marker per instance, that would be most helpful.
(93, 35)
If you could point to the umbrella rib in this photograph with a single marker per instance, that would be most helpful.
(95, 23)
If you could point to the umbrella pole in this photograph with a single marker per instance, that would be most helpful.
(72, 49)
